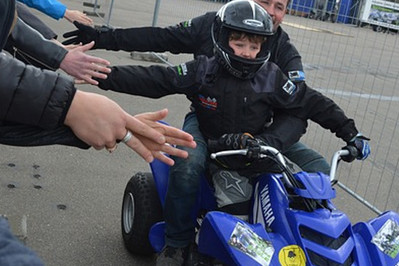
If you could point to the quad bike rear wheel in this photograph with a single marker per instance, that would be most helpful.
(141, 209)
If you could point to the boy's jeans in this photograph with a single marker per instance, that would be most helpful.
(183, 187)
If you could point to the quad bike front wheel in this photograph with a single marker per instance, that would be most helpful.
(141, 209)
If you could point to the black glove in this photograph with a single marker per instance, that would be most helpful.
(358, 148)
(84, 34)
(253, 146)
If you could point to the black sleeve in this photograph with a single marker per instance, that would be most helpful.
(185, 37)
(154, 81)
(33, 96)
(29, 18)
(306, 103)
(329, 115)
(285, 131)
(285, 55)
(34, 47)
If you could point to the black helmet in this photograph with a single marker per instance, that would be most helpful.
(242, 16)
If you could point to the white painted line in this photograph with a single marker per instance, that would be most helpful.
(359, 95)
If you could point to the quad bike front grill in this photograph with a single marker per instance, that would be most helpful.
(328, 242)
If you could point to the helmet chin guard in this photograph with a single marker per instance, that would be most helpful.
(243, 16)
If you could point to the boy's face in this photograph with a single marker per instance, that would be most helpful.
(245, 48)
(275, 8)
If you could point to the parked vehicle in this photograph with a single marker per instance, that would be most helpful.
(381, 15)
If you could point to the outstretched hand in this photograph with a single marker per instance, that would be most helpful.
(171, 136)
(83, 66)
(83, 34)
(76, 15)
(101, 123)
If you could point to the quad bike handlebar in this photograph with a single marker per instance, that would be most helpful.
(268, 151)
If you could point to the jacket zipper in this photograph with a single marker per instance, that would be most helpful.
(244, 113)
(27, 57)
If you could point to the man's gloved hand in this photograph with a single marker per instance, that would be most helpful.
(84, 34)
(358, 148)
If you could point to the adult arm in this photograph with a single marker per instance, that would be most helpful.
(35, 46)
(191, 36)
(100, 122)
(329, 115)
(49, 100)
(305, 103)
(76, 15)
(52, 8)
(35, 22)
(32, 96)
(74, 62)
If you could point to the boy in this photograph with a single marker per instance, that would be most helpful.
(234, 93)
(193, 37)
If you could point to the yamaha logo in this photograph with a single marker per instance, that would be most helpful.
(253, 23)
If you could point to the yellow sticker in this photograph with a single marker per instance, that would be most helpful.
(292, 256)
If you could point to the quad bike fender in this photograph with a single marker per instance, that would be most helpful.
(380, 236)
(236, 242)
(160, 172)
(157, 236)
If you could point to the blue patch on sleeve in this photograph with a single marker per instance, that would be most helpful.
(296, 76)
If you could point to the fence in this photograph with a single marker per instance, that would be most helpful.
(344, 57)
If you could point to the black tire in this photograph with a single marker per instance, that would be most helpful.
(141, 208)
(377, 28)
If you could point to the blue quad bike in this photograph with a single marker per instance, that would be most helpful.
(292, 221)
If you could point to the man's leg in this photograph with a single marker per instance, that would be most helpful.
(183, 187)
(307, 159)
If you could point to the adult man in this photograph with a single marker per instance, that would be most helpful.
(194, 37)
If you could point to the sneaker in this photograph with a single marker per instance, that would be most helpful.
(171, 256)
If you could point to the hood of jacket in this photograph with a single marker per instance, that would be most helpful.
(7, 12)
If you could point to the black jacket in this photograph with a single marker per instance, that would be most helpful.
(33, 102)
(29, 95)
(28, 45)
(226, 104)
